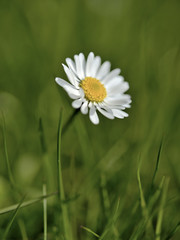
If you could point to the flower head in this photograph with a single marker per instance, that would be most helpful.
(95, 88)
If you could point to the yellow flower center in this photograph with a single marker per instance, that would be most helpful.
(94, 90)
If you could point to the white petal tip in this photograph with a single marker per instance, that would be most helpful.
(96, 123)
(93, 116)
(74, 106)
(57, 79)
(64, 66)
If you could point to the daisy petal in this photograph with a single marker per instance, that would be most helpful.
(121, 107)
(89, 64)
(126, 106)
(118, 100)
(105, 113)
(93, 115)
(84, 107)
(116, 81)
(77, 103)
(71, 64)
(111, 75)
(119, 89)
(95, 66)
(90, 105)
(103, 70)
(124, 87)
(72, 78)
(80, 65)
(67, 86)
(74, 95)
(82, 93)
(70, 89)
(119, 114)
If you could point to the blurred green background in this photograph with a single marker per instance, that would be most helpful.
(140, 37)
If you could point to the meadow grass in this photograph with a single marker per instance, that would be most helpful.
(61, 177)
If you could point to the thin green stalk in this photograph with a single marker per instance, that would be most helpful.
(69, 121)
(156, 195)
(105, 197)
(10, 175)
(110, 226)
(143, 223)
(22, 229)
(33, 201)
(47, 166)
(142, 199)
(173, 231)
(41, 136)
(157, 163)
(145, 212)
(61, 195)
(90, 231)
(45, 212)
(161, 210)
(25, 204)
(138, 231)
(12, 220)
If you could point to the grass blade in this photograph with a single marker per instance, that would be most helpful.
(69, 121)
(22, 229)
(105, 197)
(10, 175)
(41, 135)
(90, 231)
(173, 231)
(157, 163)
(33, 201)
(45, 212)
(111, 224)
(12, 220)
(47, 166)
(142, 225)
(145, 212)
(156, 195)
(161, 210)
(142, 199)
(61, 195)
(25, 204)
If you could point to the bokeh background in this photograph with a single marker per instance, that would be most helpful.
(140, 37)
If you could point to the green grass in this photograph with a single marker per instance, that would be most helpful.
(45, 212)
(6, 231)
(93, 184)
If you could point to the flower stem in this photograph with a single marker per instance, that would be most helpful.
(45, 212)
(69, 121)
(61, 193)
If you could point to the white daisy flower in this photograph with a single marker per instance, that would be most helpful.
(95, 88)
